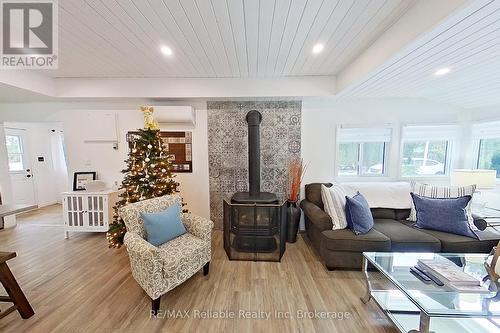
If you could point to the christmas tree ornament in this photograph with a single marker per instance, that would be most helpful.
(149, 122)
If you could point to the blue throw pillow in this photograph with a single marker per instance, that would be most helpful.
(358, 214)
(443, 214)
(163, 226)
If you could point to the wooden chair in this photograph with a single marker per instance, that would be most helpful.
(15, 294)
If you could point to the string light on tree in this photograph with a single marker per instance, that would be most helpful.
(146, 175)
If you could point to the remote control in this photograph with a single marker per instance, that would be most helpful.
(430, 276)
(421, 276)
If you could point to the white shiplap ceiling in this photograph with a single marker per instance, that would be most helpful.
(469, 44)
(217, 38)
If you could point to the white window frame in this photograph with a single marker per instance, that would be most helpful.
(444, 132)
(482, 131)
(360, 143)
(20, 154)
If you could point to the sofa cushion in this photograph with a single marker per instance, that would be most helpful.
(402, 214)
(389, 213)
(183, 249)
(163, 226)
(456, 243)
(346, 240)
(431, 191)
(334, 203)
(359, 216)
(383, 213)
(443, 214)
(405, 238)
(131, 213)
(313, 193)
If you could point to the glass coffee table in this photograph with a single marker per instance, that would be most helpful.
(416, 306)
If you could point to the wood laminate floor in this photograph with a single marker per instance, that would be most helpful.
(49, 215)
(79, 285)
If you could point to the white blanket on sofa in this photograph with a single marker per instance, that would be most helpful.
(394, 195)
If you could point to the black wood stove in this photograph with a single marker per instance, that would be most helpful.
(254, 221)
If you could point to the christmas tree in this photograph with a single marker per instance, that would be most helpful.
(147, 174)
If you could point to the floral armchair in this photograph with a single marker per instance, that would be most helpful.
(161, 269)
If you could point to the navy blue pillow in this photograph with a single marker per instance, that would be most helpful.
(163, 226)
(443, 214)
(358, 214)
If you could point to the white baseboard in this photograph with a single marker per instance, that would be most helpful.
(49, 204)
(9, 221)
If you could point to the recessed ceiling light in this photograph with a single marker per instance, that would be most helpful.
(318, 48)
(442, 71)
(166, 50)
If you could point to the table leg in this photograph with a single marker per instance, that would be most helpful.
(424, 324)
(15, 293)
(368, 295)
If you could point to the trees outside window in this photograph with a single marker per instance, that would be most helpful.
(489, 155)
(361, 159)
(424, 158)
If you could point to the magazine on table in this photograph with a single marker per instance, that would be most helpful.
(469, 289)
(448, 272)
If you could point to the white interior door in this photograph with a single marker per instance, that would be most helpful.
(20, 169)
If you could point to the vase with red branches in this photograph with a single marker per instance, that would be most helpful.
(296, 170)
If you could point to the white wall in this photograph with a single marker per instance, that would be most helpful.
(101, 157)
(320, 118)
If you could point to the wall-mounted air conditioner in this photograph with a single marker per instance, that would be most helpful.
(175, 115)
(101, 126)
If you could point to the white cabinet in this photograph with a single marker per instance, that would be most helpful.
(88, 211)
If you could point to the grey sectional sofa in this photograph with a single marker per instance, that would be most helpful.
(391, 232)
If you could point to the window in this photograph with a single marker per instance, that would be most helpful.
(14, 152)
(424, 158)
(487, 137)
(489, 155)
(426, 150)
(348, 159)
(362, 151)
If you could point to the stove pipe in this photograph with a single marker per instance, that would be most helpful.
(254, 195)
(253, 119)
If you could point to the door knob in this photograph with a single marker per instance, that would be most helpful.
(28, 170)
(28, 176)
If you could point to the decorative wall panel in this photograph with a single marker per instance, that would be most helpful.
(228, 148)
(179, 145)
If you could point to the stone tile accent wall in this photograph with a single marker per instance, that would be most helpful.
(228, 148)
